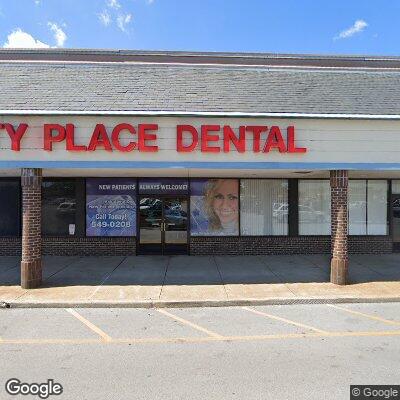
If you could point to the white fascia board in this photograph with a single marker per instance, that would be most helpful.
(201, 114)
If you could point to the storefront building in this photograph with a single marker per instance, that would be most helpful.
(127, 153)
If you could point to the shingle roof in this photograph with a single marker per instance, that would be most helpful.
(97, 86)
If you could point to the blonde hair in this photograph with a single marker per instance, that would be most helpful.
(210, 190)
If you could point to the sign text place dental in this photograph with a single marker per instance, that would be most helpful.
(125, 137)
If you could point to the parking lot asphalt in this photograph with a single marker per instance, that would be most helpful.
(250, 352)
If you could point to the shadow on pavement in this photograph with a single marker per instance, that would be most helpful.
(63, 271)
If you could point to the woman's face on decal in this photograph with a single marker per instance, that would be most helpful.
(225, 201)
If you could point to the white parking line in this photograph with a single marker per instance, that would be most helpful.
(287, 321)
(188, 323)
(369, 316)
(94, 328)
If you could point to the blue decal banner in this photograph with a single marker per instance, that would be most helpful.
(173, 186)
(110, 207)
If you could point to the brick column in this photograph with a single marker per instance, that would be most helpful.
(31, 263)
(339, 262)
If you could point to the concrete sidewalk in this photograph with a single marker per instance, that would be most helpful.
(146, 281)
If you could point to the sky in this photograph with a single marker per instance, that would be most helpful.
(273, 26)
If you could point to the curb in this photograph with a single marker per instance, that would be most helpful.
(196, 303)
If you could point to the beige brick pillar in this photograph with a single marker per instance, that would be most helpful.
(339, 262)
(31, 263)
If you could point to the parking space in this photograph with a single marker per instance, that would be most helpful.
(42, 324)
(331, 318)
(116, 325)
(390, 311)
(212, 353)
(137, 323)
(237, 321)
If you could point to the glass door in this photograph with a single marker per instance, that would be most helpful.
(175, 225)
(150, 225)
(163, 225)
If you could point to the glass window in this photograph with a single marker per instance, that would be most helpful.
(264, 207)
(367, 207)
(214, 207)
(396, 187)
(357, 207)
(314, 207)
(10, 208)
(58, 207)
(377, 207)
(111, 207)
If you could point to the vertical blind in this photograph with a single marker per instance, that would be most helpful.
(377, 207)
(264, 207)
(314, 207)
(396, 187)
(357, 207)
(367, 207)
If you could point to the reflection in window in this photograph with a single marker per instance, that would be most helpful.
(150, 219)
(314, 207)
(175, 214)
(395, 186)
(367, 207)
(264, 207)
(58, 207)
(357, 207)
(377, 207)
(175, 219)
(10, 208)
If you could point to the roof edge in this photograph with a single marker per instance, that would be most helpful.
(187, 57)
(233, 114)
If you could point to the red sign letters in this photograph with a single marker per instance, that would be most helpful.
(143, 138)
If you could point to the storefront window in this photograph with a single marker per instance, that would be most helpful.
(264, 207)
(367, 207)
(396, 186)
(111, 207)
(314, 207)
(10, 208)
(58, 208)
(357, 207)
(377, 207)
(214, 207)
